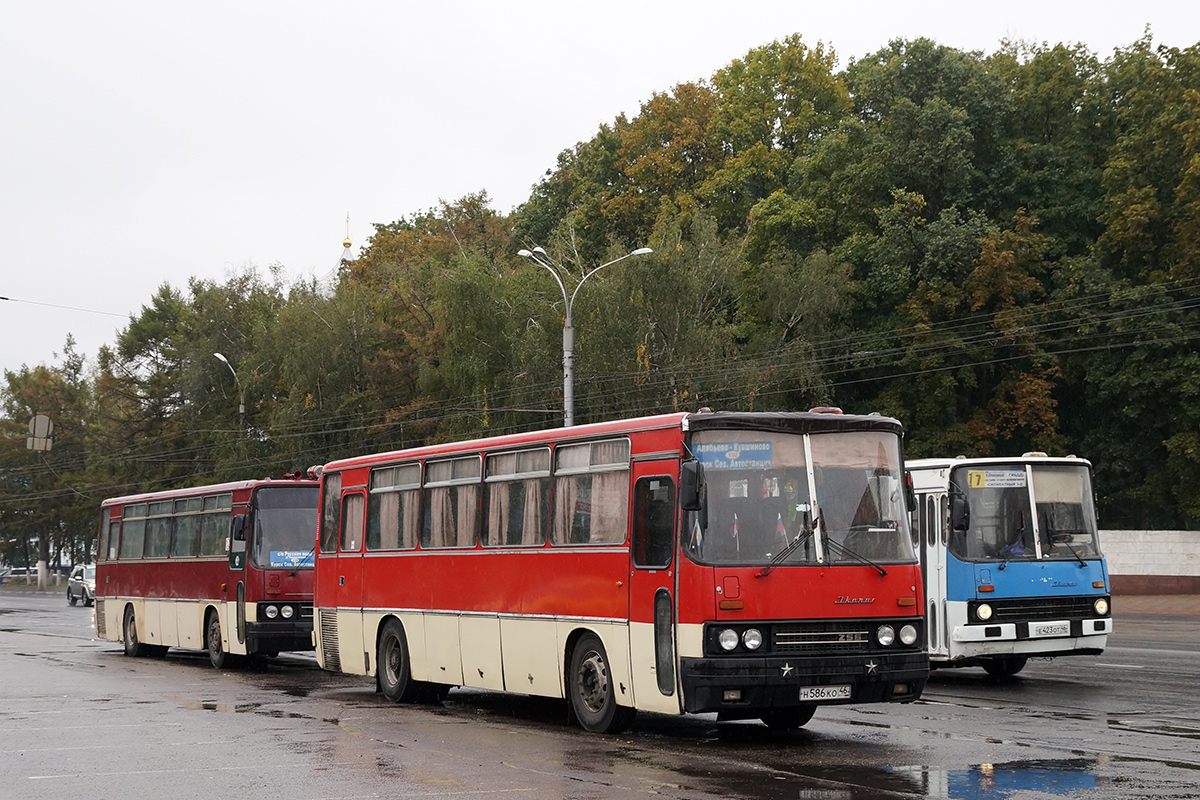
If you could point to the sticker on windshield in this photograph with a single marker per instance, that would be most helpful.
(291, 558)
(735, 455)
(996, 478)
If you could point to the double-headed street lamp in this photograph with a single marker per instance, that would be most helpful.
(539, 257)
(241, 392)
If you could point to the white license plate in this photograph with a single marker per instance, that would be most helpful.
(1050, 629)
(818, 693)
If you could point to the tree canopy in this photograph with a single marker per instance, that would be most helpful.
(999, 250)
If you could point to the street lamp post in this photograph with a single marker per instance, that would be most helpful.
(241, 392)
(539, 257)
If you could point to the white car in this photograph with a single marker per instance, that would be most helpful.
(82, 585)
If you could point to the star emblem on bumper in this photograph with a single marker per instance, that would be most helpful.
(786, 669)
(871, 666)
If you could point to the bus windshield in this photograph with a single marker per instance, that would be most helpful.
(285, 527)
(761, 495)
(1025, 512)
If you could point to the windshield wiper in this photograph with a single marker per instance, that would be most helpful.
(303, 560)
(1067, 543)
(848, 552)
(787, 550)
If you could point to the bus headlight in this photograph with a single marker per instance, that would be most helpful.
(728, 639)
(1101, 606)
(752, 638)
(908, 635)
(885, 635)
(983, 611)
(287, 612)
(272, 612)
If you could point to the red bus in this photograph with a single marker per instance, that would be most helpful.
(750, 564)
(224, 568)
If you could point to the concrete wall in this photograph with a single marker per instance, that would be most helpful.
(1153, 562)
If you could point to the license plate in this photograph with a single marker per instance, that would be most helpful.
(1050, 629)
(818, 693)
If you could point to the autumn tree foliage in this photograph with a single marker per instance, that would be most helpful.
(1001, 250)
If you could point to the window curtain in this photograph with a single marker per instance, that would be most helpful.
(532, 519)
(468, 510)
(441, 516)
(411, 517)
(610, 507)
(389, 521)
(498, 511)
(565, 493)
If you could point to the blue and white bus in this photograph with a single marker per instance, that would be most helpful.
(1011, 560)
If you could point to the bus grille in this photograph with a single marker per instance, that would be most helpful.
(101, 628)
(1041, 608)
(851, 636)
(329, 641)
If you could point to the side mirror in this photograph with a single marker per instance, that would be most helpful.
(960, 512)
(691, 485)
(237, 541)
(910, 494)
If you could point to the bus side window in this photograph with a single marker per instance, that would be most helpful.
(331, 490)
(352, 523)
(653, 522)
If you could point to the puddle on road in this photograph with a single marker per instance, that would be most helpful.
(999, 781)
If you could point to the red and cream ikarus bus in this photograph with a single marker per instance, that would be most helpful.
(224, 568)
(755, 565)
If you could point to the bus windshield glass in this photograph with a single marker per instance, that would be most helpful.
(760, 495)
(285, 527)
(1025, 512)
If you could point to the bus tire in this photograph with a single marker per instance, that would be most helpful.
(590, 689)
(392, 666)
(1005, 666)
(788, 719)
(133, 648)
(212, 640)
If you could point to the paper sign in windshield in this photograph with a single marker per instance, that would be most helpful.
(996, 478)
(291, 558)
(735, 455)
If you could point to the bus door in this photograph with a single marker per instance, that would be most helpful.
(240, 528)
(933, 516)
(351, 651)
(652, 567)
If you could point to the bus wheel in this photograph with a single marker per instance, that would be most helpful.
(591, 691)
(133, 647)
(212, 637)
(1005, 666)
(392, 665)
(788, 719)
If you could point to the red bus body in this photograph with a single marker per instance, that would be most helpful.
(656, 596)
(225, 568)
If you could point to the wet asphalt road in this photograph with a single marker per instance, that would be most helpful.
(79, 719)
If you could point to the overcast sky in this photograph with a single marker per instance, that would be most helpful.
(143, 143)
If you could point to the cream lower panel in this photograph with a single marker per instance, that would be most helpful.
(442, 649)
(152, 629)
(615, 637)
(646, 693)
(414, 638)
(189, 624)
(689, 641)
(533, 663)
(113, 608)
(354, 657)
(479, 643)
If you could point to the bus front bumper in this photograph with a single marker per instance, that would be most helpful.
(739, 686)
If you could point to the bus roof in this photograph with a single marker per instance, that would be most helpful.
(191, 491)
(959, 461)
(781, 421)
